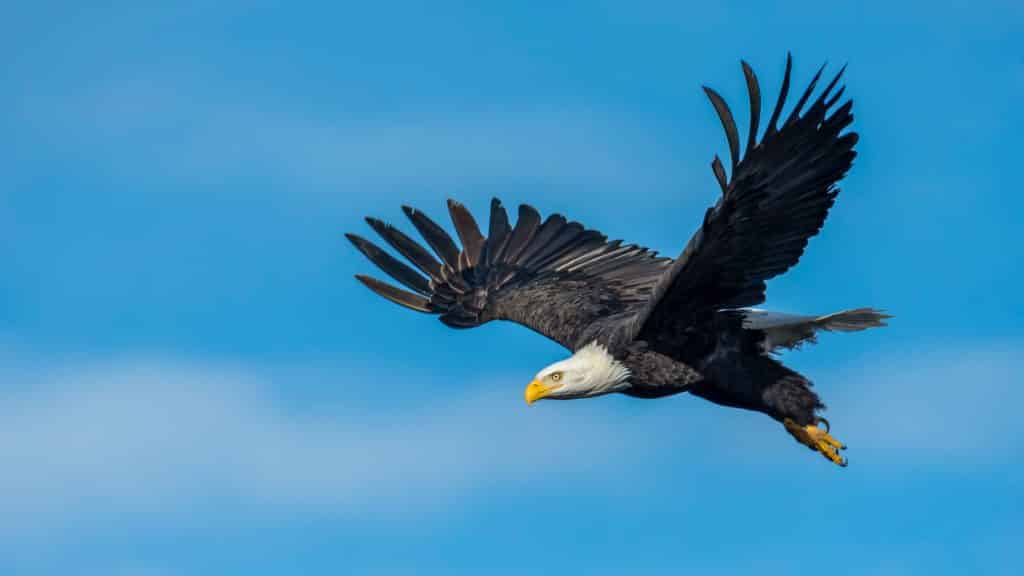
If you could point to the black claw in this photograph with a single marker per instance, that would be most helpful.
(828, 427)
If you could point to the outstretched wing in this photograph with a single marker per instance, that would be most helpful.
(777, 198)
(555, 277)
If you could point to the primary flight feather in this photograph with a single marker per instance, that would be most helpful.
(645, 325)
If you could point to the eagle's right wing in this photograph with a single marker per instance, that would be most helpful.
(554, 277)
(775, 200)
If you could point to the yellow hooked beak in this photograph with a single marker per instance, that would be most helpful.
(535, 391)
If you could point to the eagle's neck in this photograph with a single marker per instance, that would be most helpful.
(606, 374)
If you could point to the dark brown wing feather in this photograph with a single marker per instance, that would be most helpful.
(777, 197)
(555, 277)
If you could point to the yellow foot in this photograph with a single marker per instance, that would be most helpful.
(818, 440)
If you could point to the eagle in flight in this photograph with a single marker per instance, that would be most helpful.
(649, 326)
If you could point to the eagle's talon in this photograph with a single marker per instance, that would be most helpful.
(818, 440)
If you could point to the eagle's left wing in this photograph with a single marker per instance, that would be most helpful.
(555, 276)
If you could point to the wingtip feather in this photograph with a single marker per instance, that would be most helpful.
(396, 295)
(728, 123)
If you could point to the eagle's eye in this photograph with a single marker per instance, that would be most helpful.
(556, 376)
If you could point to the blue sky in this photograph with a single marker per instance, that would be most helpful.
(191, 382)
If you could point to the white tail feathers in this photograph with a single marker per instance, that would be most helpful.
(792, 330)
(853, 320)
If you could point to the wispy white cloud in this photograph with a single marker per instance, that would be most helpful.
(952, 401)
(150, 436)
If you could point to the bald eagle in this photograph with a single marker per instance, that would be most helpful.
(648, 326)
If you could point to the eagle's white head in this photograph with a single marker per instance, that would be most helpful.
(591, 371)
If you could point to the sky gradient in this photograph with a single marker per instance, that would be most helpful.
(191, 381)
